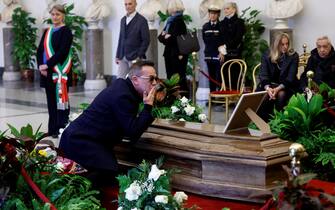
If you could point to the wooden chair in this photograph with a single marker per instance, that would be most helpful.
(227, 95)
(254, 76)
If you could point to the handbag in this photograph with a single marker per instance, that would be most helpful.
(188, 43)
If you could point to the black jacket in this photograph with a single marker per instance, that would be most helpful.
(113, 115)
(323, 68)
(233, 30)
(61, 43)
(212, 36)
(287, 74)
(177, 27)
(134, 38)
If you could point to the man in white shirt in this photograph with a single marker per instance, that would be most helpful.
(134, 38)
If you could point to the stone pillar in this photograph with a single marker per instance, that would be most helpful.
(94, 60)
(275, 31)
(152, 51)
(203, 87)
(12, 70)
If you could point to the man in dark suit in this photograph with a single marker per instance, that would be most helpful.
(134, 38)
(322, 63)
(112, 116)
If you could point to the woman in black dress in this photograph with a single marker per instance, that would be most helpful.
(54, 63)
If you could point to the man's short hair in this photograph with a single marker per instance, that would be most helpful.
(135, 69)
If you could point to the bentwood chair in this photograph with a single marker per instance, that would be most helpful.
(228, 94)
(303, 59)
(255, 72)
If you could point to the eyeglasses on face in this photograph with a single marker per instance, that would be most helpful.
(151, 78)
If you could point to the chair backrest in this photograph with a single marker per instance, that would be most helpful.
(254, 76)
(238, 65)
(303, 59)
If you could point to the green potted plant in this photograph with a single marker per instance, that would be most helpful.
(25, 35)
(253, 45)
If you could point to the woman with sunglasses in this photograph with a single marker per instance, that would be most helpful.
(54, 64)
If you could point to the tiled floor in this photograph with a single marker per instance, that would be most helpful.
(22, 103)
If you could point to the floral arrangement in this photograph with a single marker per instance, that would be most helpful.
(148, 187)
(182, 110)
(33, 176)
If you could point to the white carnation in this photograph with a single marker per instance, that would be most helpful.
(120, 208)
(180, 197)
(182, 119)
(189, 110)
(161, 199)
(133, 192)
(184, 101)
(155, 173)
(174, 109)
(202, 117)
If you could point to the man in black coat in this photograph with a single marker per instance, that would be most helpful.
(134, 38)
(322, 63)
(113, 115)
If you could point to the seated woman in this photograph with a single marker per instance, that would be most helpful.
(277, 75)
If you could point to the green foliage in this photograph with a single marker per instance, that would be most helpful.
(143, 185)
(76, 23)
(253, 45)
(320, 146)
(64, 191)
(24, 38)
(299, 117)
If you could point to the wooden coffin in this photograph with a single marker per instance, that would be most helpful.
(235, 166)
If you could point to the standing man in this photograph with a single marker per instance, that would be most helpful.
(211, 34)
(322, 63)
(113, 115)
(134, 38)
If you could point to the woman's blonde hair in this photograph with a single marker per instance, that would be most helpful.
(233, 5)
(275, 48)
(175, 6)
(60, 8)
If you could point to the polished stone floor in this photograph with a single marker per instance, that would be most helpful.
(23, 102)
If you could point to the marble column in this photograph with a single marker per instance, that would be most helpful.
(94, 60)
(152, 51)
(203, 87)
(12, 70)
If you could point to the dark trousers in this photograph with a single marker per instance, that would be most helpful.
(214, 70)
(174, 65)
(101, 178)
(57, 118)
(267, 107)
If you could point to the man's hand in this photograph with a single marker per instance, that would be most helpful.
(221, 58)
(149, 98)
(166, 36)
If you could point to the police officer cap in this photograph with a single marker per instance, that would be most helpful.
(213, 8)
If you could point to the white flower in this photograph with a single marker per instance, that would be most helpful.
(161, 199)
(189, 110)
(120, 208)
(174, 109)
(202, 117)
(184, 101)
(60, 166)
(134, 208)
(155, 173)
(133, 192)
(182, 119)
(180, 197)
(148, 186)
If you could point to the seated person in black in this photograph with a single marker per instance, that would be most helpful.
(89, 140)
(277, 75)
(322, 63)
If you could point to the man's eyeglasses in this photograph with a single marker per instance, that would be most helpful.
(151, 78)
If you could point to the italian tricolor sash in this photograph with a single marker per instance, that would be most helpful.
(60, 72)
